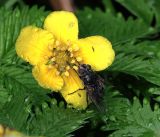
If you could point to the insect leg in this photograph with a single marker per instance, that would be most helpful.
(75, 91)
(80, 89)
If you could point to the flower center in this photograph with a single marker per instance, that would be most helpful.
(63, 58)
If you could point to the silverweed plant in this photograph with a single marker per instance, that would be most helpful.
(41, 91)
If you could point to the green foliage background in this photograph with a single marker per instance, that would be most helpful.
(132, 94)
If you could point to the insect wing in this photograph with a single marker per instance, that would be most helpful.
(92, 94)
(100, 83)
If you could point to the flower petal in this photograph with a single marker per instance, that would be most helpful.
(33, 44)
(47, 77)
(96, 51)
(73, 91)
(63, 25)
(77, 100)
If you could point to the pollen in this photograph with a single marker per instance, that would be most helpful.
(75, 67)
(58, 48)
(57, 73)
(75, 48)
(70, 49)
(53, 59)
(73, 61)
(68, 67)
(50, 47)
(63, 58)
(68, 43)
(66, 73)
(79, 59)
(57, 43)
(50, 66)
(71, 55)
(63, 49)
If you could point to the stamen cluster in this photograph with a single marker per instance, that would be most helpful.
(63, 58)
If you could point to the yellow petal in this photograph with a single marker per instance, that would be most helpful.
(33, 44)
(96, 51)
(77, 100)
(47, 77)
(63, 25)
(71, 91)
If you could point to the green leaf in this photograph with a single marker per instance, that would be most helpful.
(11, 22)
(13, 114)
(109, 6)
(131, 119)
(115, 28)
(140, 59)
(17, 78)
(57, 121)
(148, 49)
(157, 11)
(23, 89)
(10, 3)
(4, 96)
(20, 82)
(140, 8)
(137, 66)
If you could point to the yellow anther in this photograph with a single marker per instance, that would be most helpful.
(66, 73)
(68, 67)
(70, 49)
(57, 43)
(63, 48)
(71, 55)
(50, 47)
(58, 48)
(46, 57)
(56, 65)
(68, 43)
(73, 61)
(75, 67)
(79, 59)
(50, 66)
(54, 53)
(57, 73)
(1, 130)
(53, 59)
(75, 48)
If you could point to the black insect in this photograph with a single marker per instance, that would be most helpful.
(93, 84)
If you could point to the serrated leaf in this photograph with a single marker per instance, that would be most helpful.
(11, 22)
(4, 96)
(20, 82)
(135, 7)
(57, 121)
(157, 11)
(137, 66)
(13, 114)
(115, 28)
(109, 6)
(148, 49)
(132, 119)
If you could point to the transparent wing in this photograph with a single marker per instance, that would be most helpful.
(96, 99)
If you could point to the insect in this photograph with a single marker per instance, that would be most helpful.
(93, 84)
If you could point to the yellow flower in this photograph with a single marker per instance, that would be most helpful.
(56, 52)
(7, 132)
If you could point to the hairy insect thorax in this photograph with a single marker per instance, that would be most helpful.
(86, 74)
